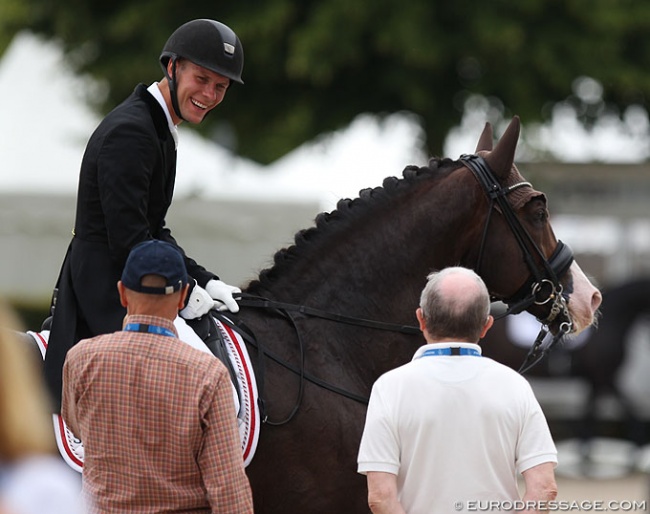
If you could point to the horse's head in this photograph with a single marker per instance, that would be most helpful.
(518, 242)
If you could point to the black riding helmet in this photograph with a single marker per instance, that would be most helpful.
(207, 43)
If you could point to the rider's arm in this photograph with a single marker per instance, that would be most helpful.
(130, 171)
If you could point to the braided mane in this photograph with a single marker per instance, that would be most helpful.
(348, 210)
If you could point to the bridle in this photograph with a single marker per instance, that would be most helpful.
(544, 285)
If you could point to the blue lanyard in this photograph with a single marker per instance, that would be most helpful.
(448, 351)
(151, 329)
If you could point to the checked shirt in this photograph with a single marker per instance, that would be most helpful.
(158, 424)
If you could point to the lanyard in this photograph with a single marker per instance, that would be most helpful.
(151, 329)
(451, 351)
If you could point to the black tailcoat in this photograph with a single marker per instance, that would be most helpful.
(126, 186)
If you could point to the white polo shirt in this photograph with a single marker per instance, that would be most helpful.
(454, 429)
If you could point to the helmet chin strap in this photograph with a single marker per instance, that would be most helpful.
(172, 89)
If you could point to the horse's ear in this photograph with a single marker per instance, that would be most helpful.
(502, 157)
(485, 141)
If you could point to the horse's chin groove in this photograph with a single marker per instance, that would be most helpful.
(578, 327)
(581, 323)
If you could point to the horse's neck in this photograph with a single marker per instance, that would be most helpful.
(376, 263)
(374, 267)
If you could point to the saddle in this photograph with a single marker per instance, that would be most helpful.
(206, 328)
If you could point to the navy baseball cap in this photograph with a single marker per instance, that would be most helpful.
(155, 257)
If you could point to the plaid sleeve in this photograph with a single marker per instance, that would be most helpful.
(220, 460)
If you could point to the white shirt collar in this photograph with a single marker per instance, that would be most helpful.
(428, 346)
(155, 92)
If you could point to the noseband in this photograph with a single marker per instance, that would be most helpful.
(544, 285)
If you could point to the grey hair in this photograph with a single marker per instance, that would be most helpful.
(458, 313)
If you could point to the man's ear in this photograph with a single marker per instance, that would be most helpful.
(487, 326)
(170, 67)
(420, 315)
(183, 297)
(121, 289)
(179, 64)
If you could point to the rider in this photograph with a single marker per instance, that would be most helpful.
(126, 185)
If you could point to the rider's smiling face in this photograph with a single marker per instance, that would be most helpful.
(198, 90)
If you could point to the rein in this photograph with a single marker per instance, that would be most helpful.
(288, 310)
(258, 301)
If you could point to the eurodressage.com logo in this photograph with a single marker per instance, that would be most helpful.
(552, 506)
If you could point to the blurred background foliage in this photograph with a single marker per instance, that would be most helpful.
(311, 66)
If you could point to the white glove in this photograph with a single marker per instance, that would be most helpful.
(223, 294)
(200, 303)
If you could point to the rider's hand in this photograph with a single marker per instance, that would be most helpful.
(198, 304)
(223, 294)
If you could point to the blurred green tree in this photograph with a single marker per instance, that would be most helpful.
(313, 65)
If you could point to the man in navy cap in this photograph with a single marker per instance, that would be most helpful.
(156, 416)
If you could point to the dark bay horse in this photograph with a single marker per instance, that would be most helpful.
(337, 308)
(596, 356)
(369, 259)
